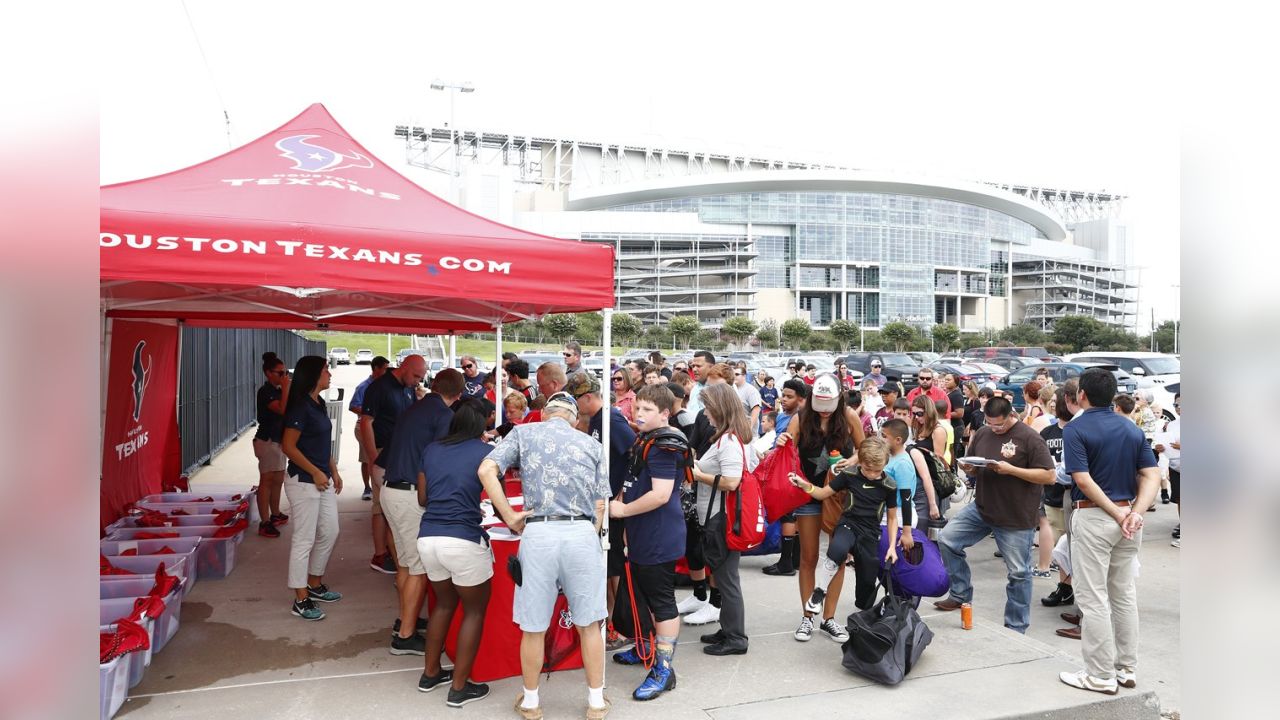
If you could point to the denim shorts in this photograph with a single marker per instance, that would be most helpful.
(564, 555)
(813, 507)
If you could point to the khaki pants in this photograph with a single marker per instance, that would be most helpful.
(1102, 563)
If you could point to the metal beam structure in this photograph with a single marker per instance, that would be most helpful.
(1052, 288)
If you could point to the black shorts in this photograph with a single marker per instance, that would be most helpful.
(788, 518)
(657, 584)
(617, 553)
(1175, 483)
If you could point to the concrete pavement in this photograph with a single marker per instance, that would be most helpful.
(240, 652)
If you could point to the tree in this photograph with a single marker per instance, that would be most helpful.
(1077, 332)
(1164, 338)
(626, 328)
(768, 333)
(844, 332)
(590, 327)
(739, 328)
(561, 326)
(658, 336)
(899, 334)
(945, 337)
(1113, 338)
(683, 328)
(795, 331)
(1022, 335)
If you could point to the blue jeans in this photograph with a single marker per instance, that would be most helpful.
(968, 528)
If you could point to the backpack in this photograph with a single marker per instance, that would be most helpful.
(945, 481)
(744, 511)
(673, 439)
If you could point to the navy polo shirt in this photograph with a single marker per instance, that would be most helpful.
(657, 536)
(425, 422)
(310, 419)
(1111, 448)
(384, 400)
(621, 438)
(453, 490)
(270, 424)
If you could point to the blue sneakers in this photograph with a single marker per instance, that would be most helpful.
(659, 680)
(322, 593)
(628, 657)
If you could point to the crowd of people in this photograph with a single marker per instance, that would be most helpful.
(1072, 474)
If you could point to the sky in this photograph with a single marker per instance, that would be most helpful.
(1079, 96)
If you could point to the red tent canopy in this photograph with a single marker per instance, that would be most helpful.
(304, 228)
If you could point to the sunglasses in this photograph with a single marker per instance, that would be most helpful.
(617, 379)
(468, 366)
(917, 413)
(567, 354)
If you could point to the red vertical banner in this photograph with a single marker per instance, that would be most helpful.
(140, 430)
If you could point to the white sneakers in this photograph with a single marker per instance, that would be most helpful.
(690, 604)
(708, 613)
(1126, 677)
(1083, 680)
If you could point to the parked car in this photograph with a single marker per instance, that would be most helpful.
(897, 366)
(964, 372)
(364, 356)
(991, 352)
(339, 356)
(1060, 373)
(1012, 362)
(1154, 372)
(406, 352)
(996, 373)
(925, 358)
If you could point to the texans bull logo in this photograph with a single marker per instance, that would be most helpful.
(141, 377)
(312, 157)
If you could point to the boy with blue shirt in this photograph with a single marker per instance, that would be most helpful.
(655, 529)
(902, 471)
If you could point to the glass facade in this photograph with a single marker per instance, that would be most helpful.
(850, 242)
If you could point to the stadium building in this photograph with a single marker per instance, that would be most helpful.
(717, 235)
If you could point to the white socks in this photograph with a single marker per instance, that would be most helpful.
(530, 700)
(595, 697)
(827, 570)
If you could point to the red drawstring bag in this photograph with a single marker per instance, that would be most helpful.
(780, 496)
(152, 518)
(226, 517)
(231, 530)
(106, 568)
(128, 637)
(179, 511)
(562, 636)
(744, 512)
(155, 535)
(150, 606)
(208, 498)
(165, 583)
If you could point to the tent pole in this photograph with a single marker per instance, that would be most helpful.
(453, 350)
(106, 375)
(606, 420)
(497, 377)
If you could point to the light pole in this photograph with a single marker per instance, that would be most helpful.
(454, 89)
(1177, 314)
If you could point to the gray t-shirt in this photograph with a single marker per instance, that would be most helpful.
(749, 396)
(561, 470)
(724, 457)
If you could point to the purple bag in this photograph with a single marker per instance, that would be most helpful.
(922, 574)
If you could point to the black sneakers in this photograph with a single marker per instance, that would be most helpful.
(1063, 595)
(426, 683)
(267, 529)
(415, 644)
(421, 626)
(469, 693)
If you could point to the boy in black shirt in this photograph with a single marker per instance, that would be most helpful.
(871, 493)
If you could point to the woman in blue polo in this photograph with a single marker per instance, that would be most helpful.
(312, 486)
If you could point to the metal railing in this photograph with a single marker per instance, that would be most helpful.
(219, 375)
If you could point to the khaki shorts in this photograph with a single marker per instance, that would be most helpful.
(404, 517)
(270, 456)
(375, 485)
(364, 457)
(464, 562)
(1057, 521)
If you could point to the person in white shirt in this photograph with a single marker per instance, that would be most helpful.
(1173, 452)
(764, 443)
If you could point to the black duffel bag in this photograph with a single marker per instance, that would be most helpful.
(885, 640)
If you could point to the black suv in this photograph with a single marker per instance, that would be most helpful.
(897, 366)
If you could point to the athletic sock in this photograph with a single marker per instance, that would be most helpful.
(595, 697)
(700, 589)
(827, 570)
(784, 562)
(530, 700)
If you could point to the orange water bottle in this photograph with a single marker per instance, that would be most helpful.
(966, 616)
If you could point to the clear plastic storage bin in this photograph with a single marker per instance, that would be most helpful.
(166, 626)
(145, 566)
(215, 557)
(111, 610)
(221, 496)
(113, 682)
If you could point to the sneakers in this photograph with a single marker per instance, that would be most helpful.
(614, 641)
(1064, 594)
(530, 713)
(1126, 677)
(367, 494)
(279, 519)
(834, 630)
(322, 593)
(690, 604)
(628, 657)
(708, 614)
(426, 683)
(778, 569)
(1177, 542)
(1177, 531)
(469, 693)
(660, 679)
(1038, 573)
(415, 644)
(383, 564)
(267, 529)
(1083, 680)
(307, 610)
(594, 713)
(1164, 497)
(814, 604)
(420, 626)
(804, 633)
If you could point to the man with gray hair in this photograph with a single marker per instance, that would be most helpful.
(562, 476)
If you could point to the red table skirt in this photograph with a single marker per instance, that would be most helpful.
(499, 655)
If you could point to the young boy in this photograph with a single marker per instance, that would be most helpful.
(903, 471)
(650, 503)
(768, 424)
(871, 493)
(901, 411)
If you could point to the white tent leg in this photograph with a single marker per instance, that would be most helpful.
(497, 378)
(453, 350)
(606, 420)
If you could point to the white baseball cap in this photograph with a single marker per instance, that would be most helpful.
(826, 394)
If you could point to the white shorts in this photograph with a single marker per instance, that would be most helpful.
(464, 562)
(270, 456)
(375, 486)
(404, 517)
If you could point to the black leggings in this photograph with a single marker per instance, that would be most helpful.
(865, 548)
(693, 546)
